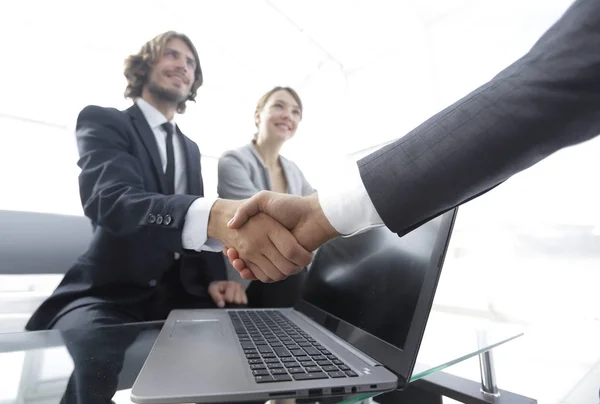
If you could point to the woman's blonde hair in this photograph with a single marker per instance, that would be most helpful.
(139, 66)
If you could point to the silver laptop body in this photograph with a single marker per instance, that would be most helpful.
(349, 333)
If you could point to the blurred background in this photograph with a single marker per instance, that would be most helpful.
(368, 72)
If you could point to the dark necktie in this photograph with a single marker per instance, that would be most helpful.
(170, 171)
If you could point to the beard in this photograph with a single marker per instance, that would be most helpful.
(166, 95)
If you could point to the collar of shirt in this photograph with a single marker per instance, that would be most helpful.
(154, 117)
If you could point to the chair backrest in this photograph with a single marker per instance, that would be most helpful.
(41, 243)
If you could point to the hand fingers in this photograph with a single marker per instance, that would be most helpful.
(238, 264)
(292, 256)
(267, 266)
(247, 275)
(232, 254)
(271, 270)
(216, 296)
(247, 209)
(275, 264)
(230, 292)
(258, 272)
(240, 295)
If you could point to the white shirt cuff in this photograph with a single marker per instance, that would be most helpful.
(348, 207)
(194, 235)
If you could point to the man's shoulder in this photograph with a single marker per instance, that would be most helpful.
(102, 114)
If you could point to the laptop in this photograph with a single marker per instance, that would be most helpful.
(356, 329)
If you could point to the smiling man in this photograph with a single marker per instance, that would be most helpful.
(155, 235)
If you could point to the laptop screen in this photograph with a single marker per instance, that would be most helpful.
(374, 282)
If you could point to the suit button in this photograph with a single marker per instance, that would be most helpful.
(151, 218)
(159, 219)
(167, 220)
(152, 283)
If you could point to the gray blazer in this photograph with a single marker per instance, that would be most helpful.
(242, 173)
(547, 100)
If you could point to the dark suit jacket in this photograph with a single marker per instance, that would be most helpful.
(547, 100)
(137, 228)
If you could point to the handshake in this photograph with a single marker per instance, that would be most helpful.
(270, 236)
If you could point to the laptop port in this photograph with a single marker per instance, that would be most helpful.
(283, 393)
(373, 386)
(337, 390)
(315, 392)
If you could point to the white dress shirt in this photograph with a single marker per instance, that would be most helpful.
(194, 235)
(348, 207)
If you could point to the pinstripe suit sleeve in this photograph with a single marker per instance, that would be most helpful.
(545, 101)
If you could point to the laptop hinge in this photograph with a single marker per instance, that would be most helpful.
(401, 380)
(370, 361)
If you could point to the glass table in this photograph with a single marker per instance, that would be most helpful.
(100, 365)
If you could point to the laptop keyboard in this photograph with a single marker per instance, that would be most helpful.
(278, 350)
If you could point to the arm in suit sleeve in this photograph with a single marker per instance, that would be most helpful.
(547, 100)
(112, 186)
(234, 178)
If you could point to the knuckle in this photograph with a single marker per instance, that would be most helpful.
(289, 269)
(297, 255)
(289, 251)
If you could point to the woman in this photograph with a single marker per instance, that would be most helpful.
(259, 166)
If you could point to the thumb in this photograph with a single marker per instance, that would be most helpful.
(244, 212)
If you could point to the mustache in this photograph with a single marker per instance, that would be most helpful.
(178, 74)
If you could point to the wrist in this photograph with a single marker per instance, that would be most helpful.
(220, 213)
(320, 219)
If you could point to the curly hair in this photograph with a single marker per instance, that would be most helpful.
(139, 66)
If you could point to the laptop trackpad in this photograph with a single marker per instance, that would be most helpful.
(197, 329)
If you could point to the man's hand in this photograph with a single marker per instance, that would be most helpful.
(268, 249)
(223, 292)
(302, 215)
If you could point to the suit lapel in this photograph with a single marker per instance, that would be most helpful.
(192, 166)
(145, 132)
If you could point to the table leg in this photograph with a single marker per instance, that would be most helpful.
(486, 367)
(488, 376)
